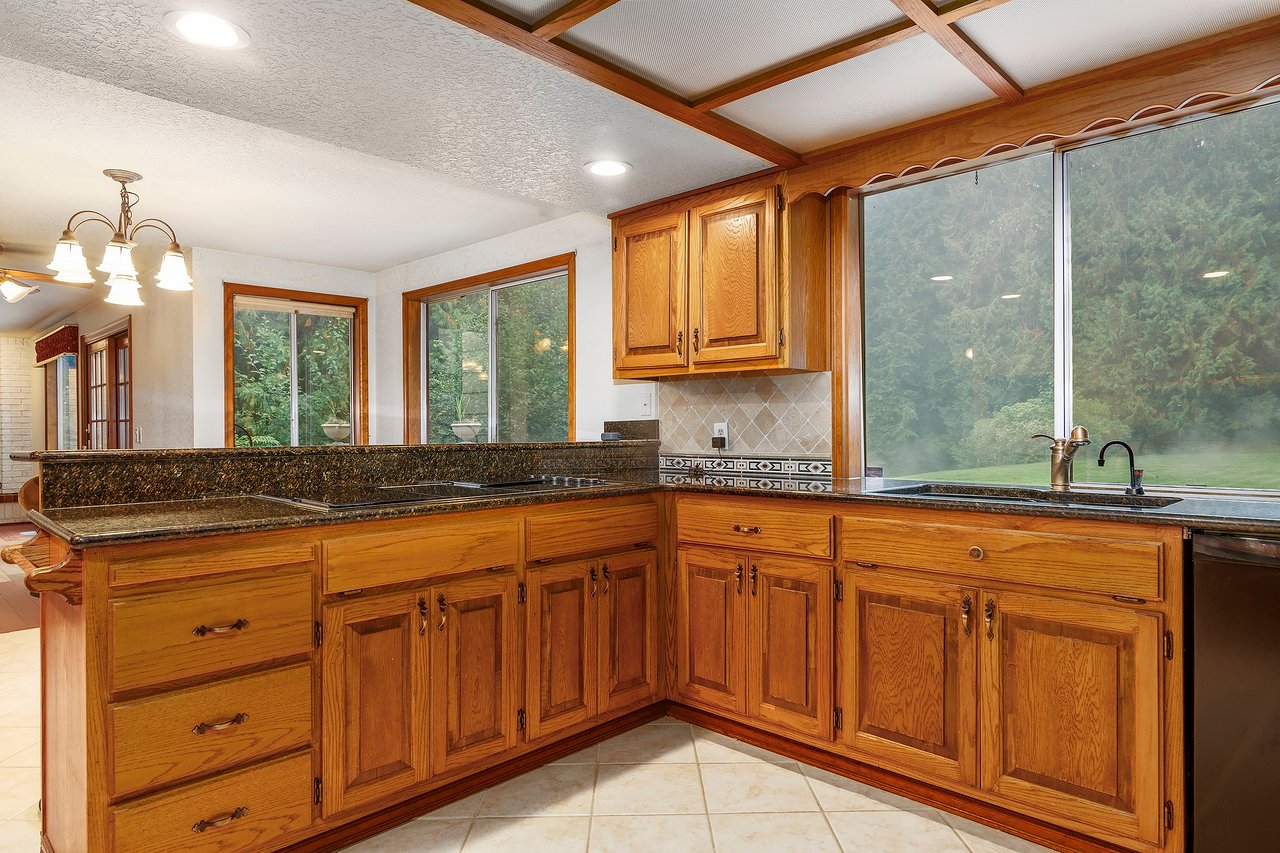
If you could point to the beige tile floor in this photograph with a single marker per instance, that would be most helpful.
(669, 786)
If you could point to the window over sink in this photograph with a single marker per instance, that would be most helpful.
(1130, 284)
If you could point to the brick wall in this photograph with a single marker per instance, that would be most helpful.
(16, 355)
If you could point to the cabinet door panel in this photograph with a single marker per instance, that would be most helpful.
(909, 677)
(560, 644)
(375, 730)
(711, 629)
(628, 630)
(474, 682)
(649, 294)
(1071, 708)
(733, 278)
(790, 669)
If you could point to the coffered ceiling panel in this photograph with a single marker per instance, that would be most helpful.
(905, 82)
(694, 47)
(1038, 41)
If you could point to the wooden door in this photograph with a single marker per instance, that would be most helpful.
(475, 684)
(790, 671)
(628, 657)
(908, 677)
(733, 278)
(1071, 711)
(374, 682)
(711, 629)
(560, 646)
(650, 296)
(106, 389)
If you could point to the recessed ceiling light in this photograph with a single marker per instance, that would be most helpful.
(206, 30)
(942, 278)
(608, 168)
(1217, 274)
(1012, 296)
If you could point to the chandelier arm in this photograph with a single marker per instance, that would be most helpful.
(96, 217)
(163, 227)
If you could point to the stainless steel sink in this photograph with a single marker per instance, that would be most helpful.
(1021, 494)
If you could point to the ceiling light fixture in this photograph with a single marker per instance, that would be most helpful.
(1217, 274)
(608, 168)
(206, 30)
(942, 278)
(14, 290)
(1012, 296)
(71, 267)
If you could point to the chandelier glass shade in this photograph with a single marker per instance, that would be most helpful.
(13, 290)
(70, 265)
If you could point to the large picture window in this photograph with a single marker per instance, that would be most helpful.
(1131, 285)
(295, 368)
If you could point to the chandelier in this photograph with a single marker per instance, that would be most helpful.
(70, 265)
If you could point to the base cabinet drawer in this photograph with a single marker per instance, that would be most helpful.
(748, 526)
(201, 631)
(246, 810)
(176, 736)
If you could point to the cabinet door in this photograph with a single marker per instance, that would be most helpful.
(628, 630)
(908, 676)
(474, 677)
(790, 672)
(650, 297)
(733, 279)
(375, 703)
(1072, 712)
(711, 629)
(560, 646)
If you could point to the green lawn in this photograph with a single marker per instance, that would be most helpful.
(1247, 469)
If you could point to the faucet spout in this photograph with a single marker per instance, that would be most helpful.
(1135, 473)
(1061, 454)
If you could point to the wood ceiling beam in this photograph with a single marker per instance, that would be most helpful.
(568, 16)
(514, 33)
(837, 53)
(925, 16)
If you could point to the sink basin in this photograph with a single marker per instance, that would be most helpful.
(1023, 494)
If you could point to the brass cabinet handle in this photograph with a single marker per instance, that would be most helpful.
(747, 531)
(680, 342)
(213, 822)
(594, 578)
(966, 607)
(977, 553)
(695, 341)
(217, 727)
(738, 576)
(203, 630)
(989, 617)
(444, 611)
(606, 579)
(755, 574)
(422, 614)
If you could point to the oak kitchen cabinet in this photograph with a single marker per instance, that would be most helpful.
(726, 281)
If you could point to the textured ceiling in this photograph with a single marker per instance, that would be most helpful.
(1038, 41)
(529, 11)
(693, 48)
(387, 78)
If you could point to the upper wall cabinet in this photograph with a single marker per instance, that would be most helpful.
(729, 280)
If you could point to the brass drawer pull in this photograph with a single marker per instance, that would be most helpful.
(977, 553)
(755, 576)
(606, 578)
(214, 822)
(966, 607)
(738, 576)
(238, 719)
(749, 531)
(595, 576)
(989, 617)
(680, 343)
(443, 607)
(203, 630)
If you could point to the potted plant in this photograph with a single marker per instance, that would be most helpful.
(338, 429)
(466, 430)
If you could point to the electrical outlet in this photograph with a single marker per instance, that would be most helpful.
(646, 403)
(720, 435)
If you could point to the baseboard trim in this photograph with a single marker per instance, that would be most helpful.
(1011, 822)
(369, 825)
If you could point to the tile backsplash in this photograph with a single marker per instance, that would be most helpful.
(786, 415)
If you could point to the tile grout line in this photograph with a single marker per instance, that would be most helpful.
(822, 810)
(706, 807)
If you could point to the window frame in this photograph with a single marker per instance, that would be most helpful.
(849, 429)
(359, 350)
(414, 302)
(111, 335)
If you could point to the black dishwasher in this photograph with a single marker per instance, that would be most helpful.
(1235, 714)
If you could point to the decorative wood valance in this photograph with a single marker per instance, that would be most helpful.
(1220, 72)
(52, 345)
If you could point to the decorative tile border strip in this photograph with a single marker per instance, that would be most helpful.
(773, 484)
(801, 467)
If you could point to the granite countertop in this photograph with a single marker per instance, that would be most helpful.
(120, 523)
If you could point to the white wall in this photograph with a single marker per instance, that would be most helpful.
(210, 268)
(598, 396)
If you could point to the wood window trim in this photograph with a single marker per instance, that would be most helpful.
(411, 307)
(359, 350)
(116, 327)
